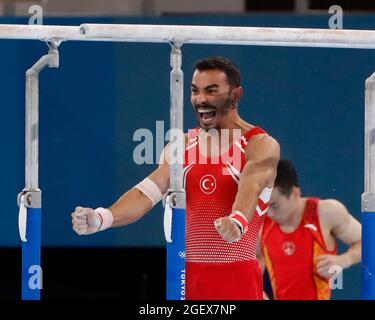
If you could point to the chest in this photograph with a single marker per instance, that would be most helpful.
(211, 181)
(290, 247)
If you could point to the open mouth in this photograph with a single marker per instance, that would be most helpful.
(207, 114)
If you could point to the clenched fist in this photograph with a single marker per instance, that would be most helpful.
(86, 221)
(228, 229)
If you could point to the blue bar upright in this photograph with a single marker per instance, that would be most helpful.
(176, 257)
(31, 256)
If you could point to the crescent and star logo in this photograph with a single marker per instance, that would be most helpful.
(208, 184)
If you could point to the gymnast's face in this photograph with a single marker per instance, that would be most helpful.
(211, 97)
(282, 207)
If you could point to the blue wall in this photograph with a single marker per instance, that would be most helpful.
(310, 100)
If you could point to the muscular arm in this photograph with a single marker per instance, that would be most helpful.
(259, 172)
(133, 205)
(335, 219)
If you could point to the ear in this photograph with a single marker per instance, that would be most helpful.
(296, 192)
(237, 94)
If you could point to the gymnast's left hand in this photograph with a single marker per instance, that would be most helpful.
(228, 229)
(326, 265)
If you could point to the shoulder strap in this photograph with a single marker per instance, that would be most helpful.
(193, 133)
(312, 221)
(311, 209)
(253, 132)
(248, 135)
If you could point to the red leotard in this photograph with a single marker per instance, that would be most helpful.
(216, 269)
(290, 257)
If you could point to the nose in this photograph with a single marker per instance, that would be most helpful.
(200, 98)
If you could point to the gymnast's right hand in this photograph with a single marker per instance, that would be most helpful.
(86, 221)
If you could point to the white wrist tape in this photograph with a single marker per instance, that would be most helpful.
(240, 220)
(150, 189)
(106, 217)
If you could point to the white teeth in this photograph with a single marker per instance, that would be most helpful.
(205, 110)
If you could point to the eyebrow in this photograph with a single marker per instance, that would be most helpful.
(211, 86)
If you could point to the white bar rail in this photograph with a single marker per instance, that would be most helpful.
(300, 37)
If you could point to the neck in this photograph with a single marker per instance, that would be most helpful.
(232, 120)
(295, 218)
(229, 122)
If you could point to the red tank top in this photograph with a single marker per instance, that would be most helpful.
(211, 185)
(290, 257)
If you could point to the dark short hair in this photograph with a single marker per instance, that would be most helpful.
(228, 67)
(286, 177)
